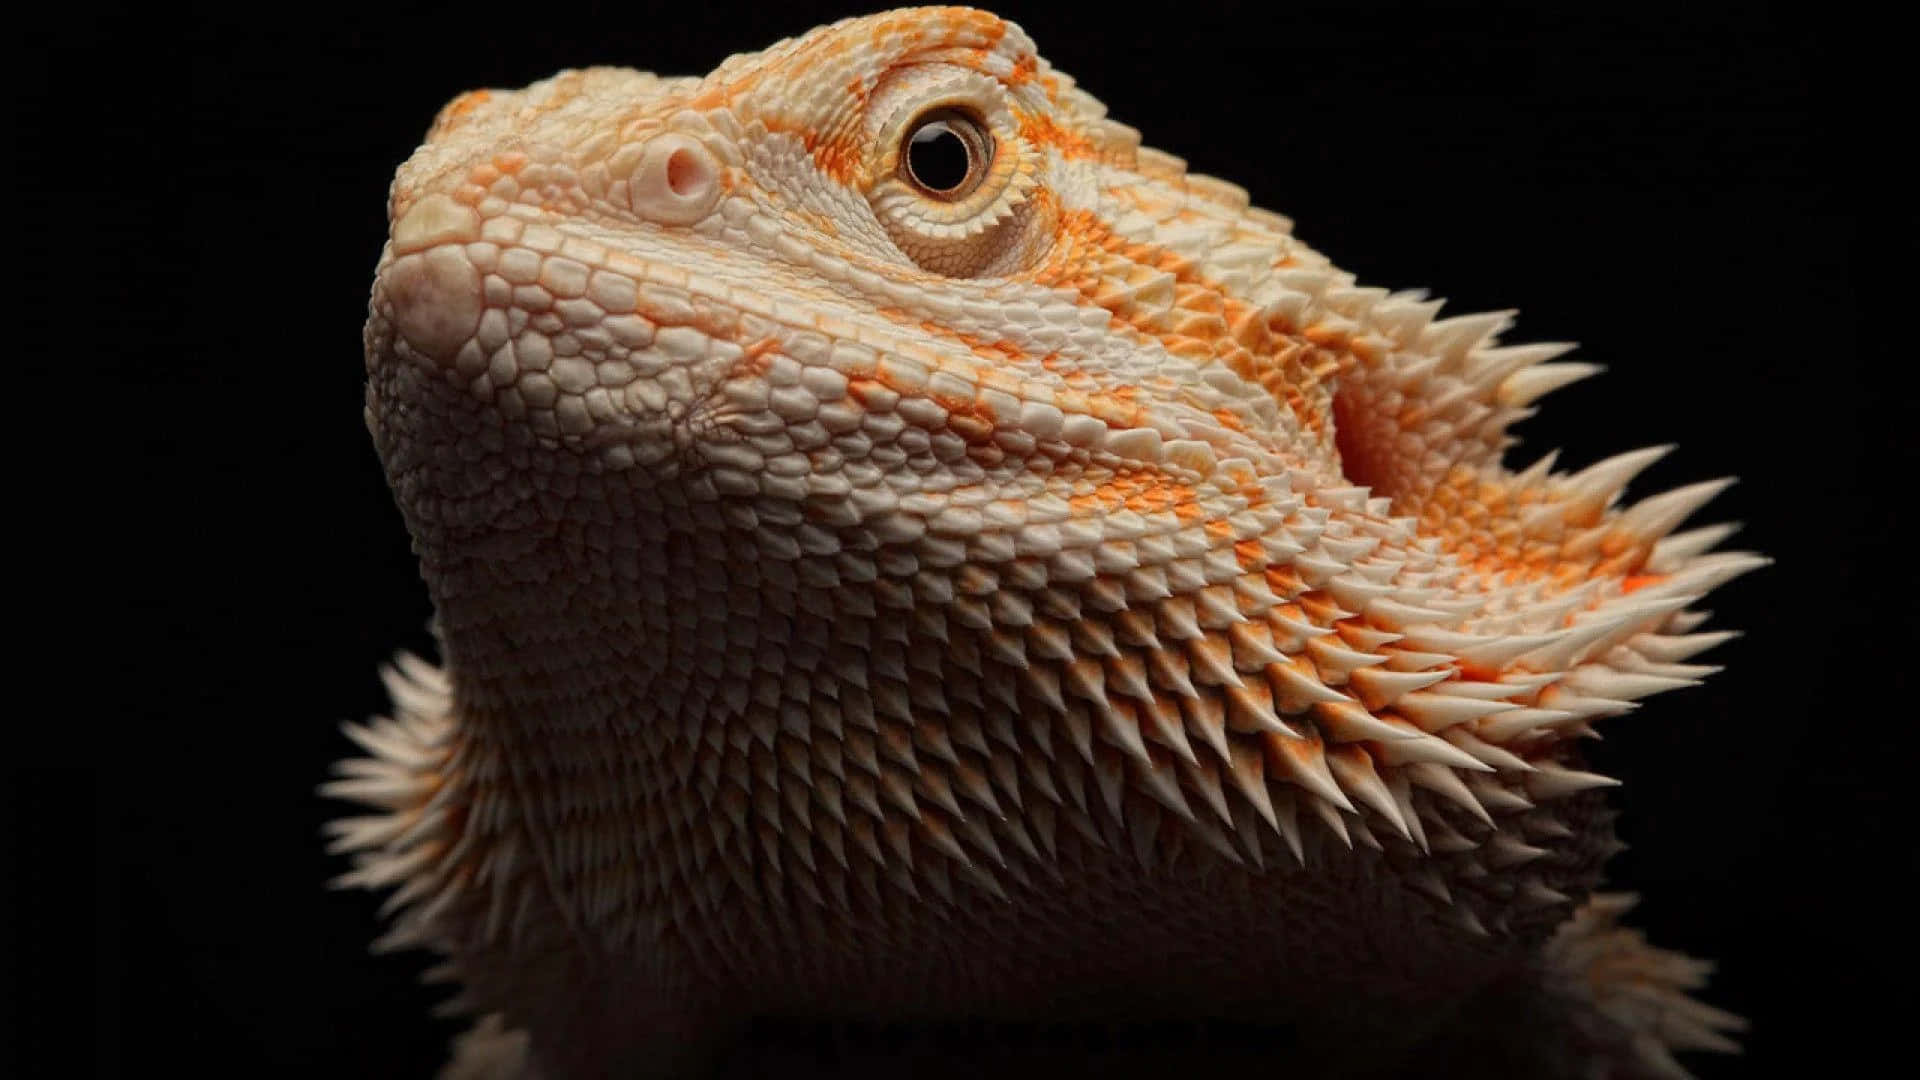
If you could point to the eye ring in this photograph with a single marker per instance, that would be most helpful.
(973, 216)
(946, 153)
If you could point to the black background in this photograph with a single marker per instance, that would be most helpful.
(1703, 197)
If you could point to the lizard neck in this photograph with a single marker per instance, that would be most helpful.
(602, 669)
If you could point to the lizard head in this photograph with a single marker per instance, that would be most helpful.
(908, 206)
(879, 384)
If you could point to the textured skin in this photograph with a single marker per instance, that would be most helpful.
(1079, 598)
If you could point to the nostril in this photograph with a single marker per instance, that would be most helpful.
(676, 180)
(686, 174)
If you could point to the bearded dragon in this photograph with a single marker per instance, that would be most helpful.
(903, 548)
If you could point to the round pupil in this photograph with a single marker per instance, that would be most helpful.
(938, 157)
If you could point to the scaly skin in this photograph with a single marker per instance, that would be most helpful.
(1069, 595)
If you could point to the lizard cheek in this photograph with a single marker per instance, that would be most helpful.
(676, 181)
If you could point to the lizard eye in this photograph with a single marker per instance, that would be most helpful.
(950, 174)
(946, 154)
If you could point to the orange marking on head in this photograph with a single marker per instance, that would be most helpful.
(869, 389)
(972, 425)
(1286, 754)
(1284, 581)
(1622, 566)
(1640, 581)
(1566, 575)
(812, 217)
(1476, 519)
(470, 101)
(999, 349)
(510, 162)
(1478, 672)
(1250, 555)
(838, 157)
(1327, 337)
(1319, 606)
(1188, 348)
(460, 108)
(755, 359)
(1039, 129)
(990, 26)
(1154, 492)
(714, 97)
(1205, 322)
(963, 407)
(1114, 412)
